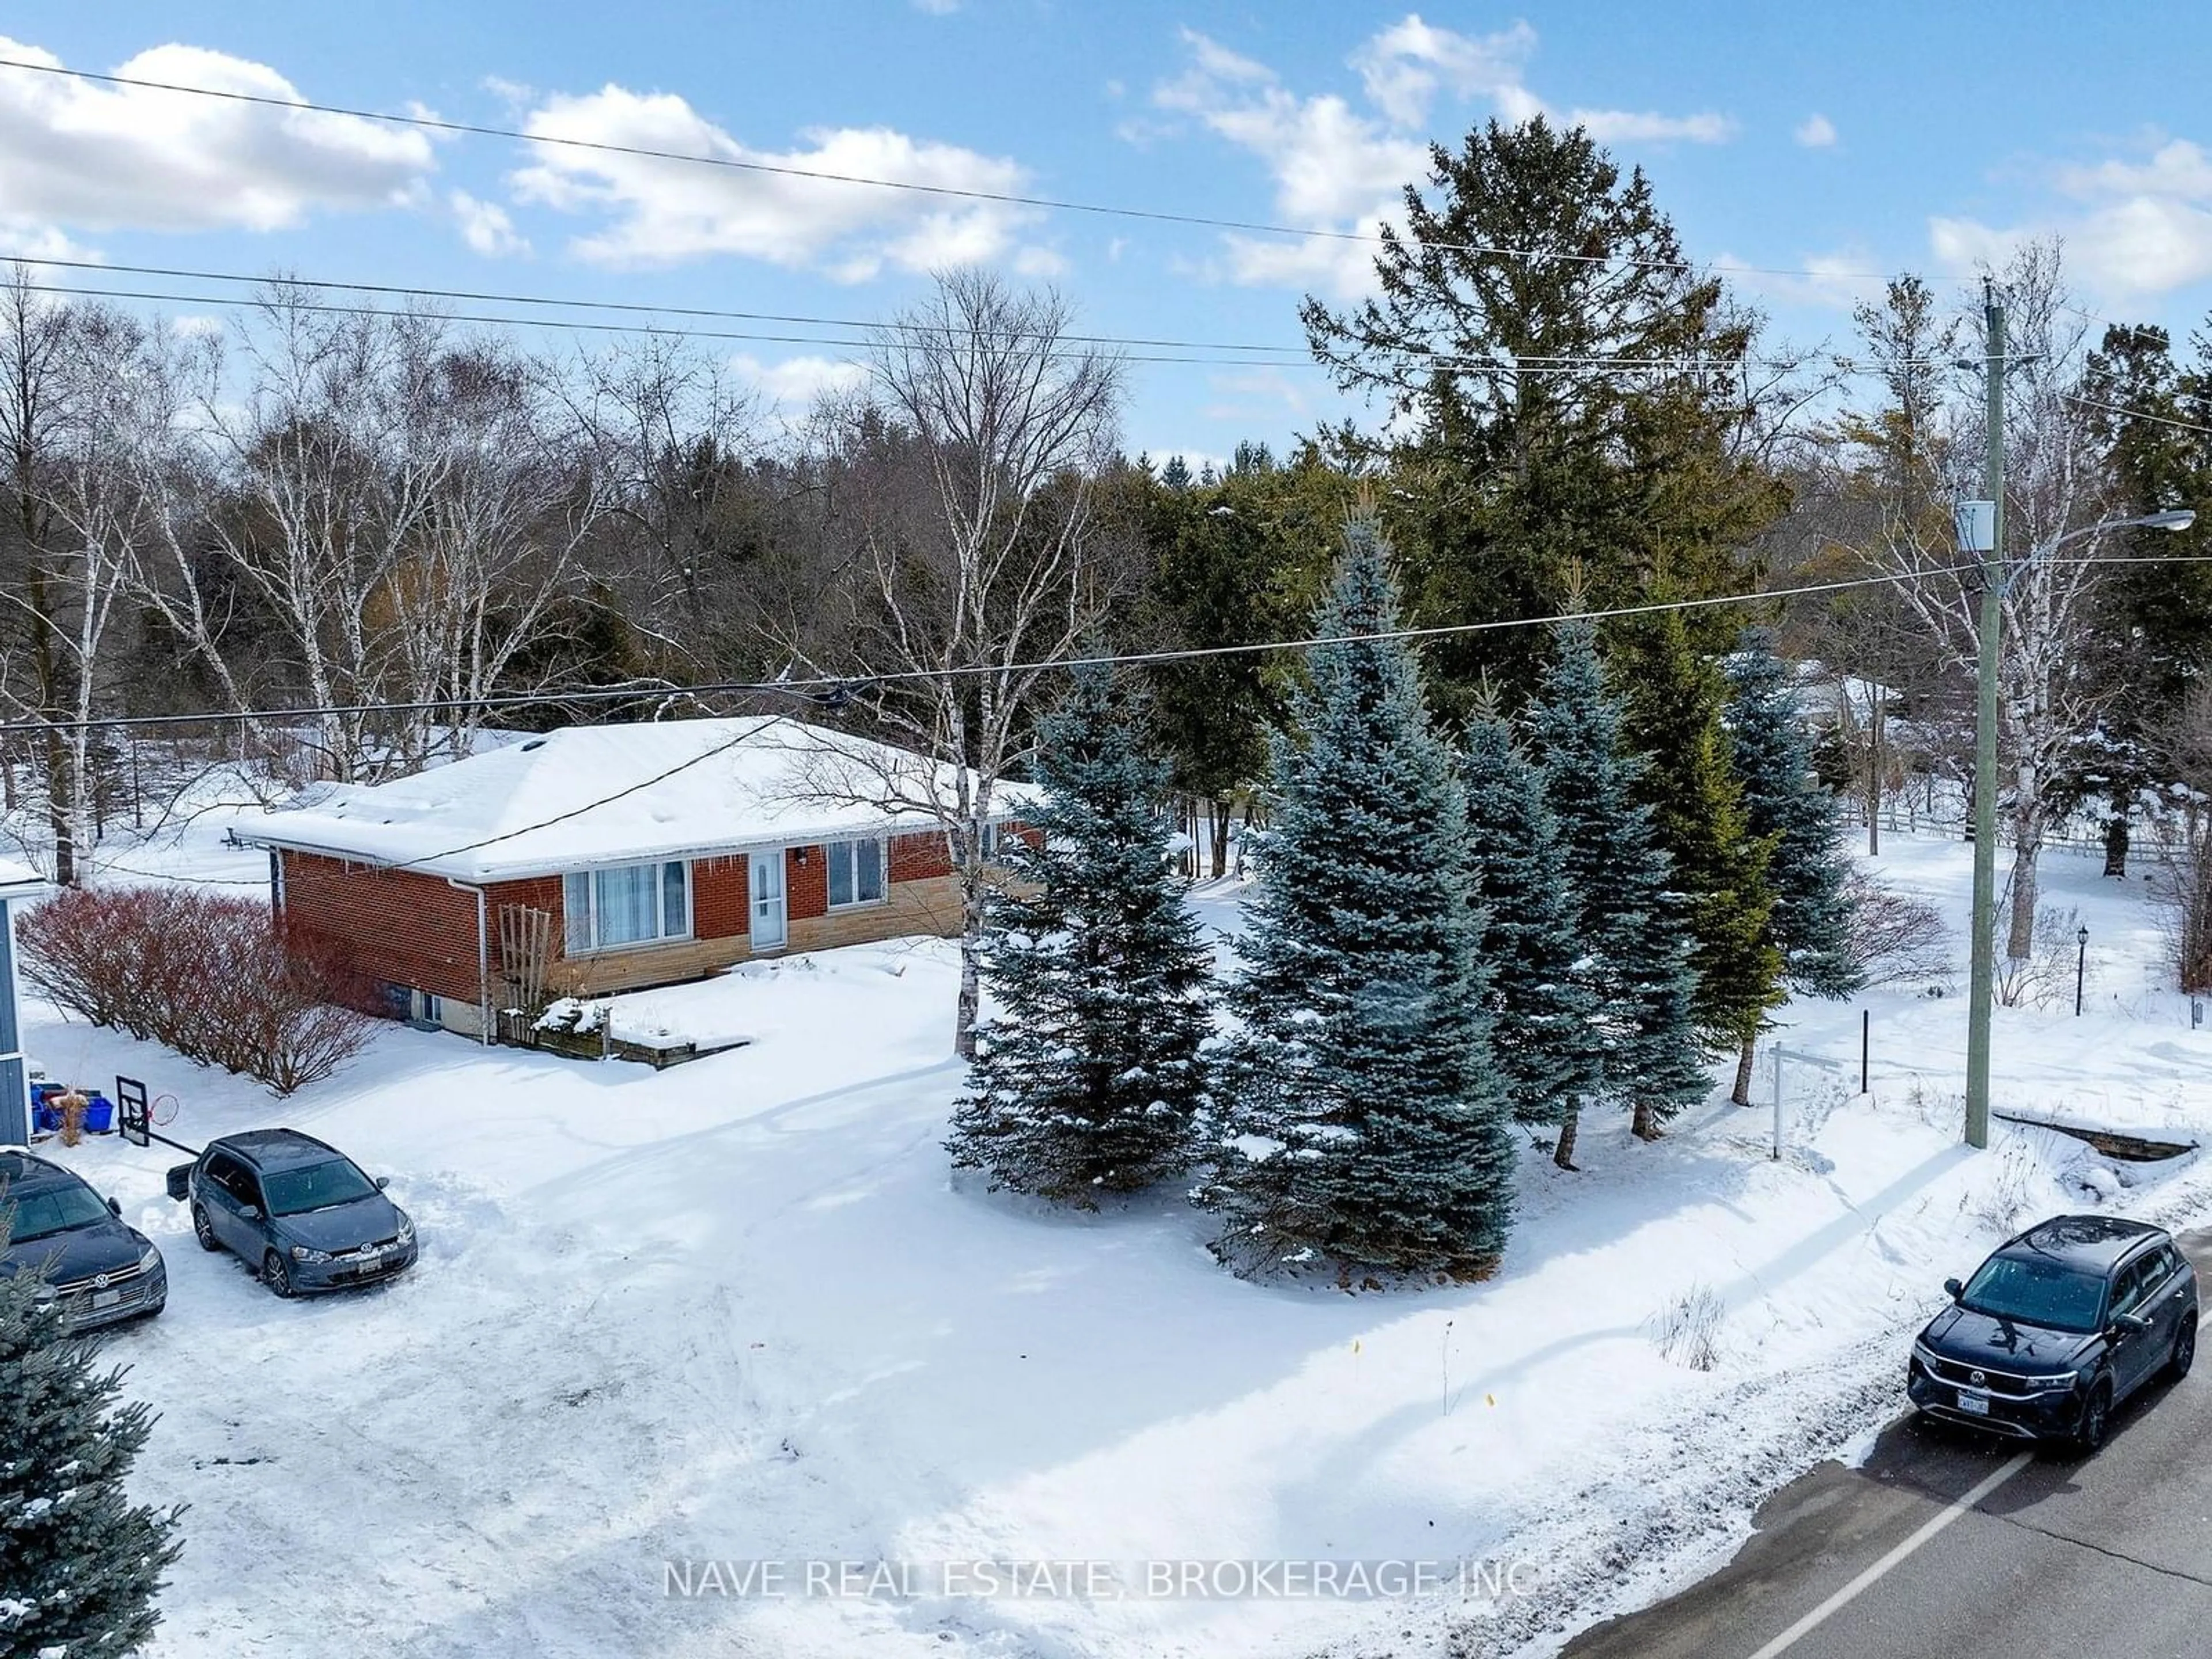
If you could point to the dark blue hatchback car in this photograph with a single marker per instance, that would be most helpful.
(299, 1212)
(100, 1270)
(2057, 1328)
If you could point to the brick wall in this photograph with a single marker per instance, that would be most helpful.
(919, 856)
(718, 897)
(397, 926)
(403, 927)
(805, 886)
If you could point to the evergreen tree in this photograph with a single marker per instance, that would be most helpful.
(1635, 949)
(1367, 1125)
(79, 1563)
(1786, 804)
(1715, 861)
(1546, 1030)
(1514, 476)
(1088, 1078)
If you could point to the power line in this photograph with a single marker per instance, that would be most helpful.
(836, 690)
(481, 297)
(2140, 413)
(576, 325)
(1008, 198)
(1133, 660)
(1411, 355)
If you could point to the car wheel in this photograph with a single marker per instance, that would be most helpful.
(275, 1275)
(2185, 1351)
(204, 1230)
(2096, 1419)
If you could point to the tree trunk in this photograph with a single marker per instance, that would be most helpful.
(2116, 845)
(1873, 779)
(1220, 812)
(970, 1007)
(1741, 1093)
(2019, 938)
(1562, 1154)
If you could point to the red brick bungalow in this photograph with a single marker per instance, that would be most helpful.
(599, 859)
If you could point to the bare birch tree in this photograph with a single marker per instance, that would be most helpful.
(337, 474)
(2056, 484)
(478, 576)
(977, 555)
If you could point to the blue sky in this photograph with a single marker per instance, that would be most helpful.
(1869, 138)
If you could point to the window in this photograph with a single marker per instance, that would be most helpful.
(856, 872)
(316, 1186)
(2036, 1292)
(233, 1178)
(2136, 1281)
(631, 904)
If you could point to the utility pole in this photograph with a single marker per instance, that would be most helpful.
(1982, 981)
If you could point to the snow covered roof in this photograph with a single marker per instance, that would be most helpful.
(20, 880)
(588, 795)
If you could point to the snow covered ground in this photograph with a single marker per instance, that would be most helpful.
(740, 1311)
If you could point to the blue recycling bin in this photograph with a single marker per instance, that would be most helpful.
(98, 1111)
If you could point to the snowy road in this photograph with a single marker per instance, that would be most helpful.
(2108, 1554)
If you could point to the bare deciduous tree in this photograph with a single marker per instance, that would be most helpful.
(967, 476)
(2056, 484)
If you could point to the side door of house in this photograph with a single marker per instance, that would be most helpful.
(765, 884)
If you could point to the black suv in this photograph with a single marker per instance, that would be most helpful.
(99, 1270)
(300, 1211)
(2057, 1328)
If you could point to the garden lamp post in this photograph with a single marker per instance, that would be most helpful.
(2081, 968)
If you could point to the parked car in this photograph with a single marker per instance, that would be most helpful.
(2057, 1328)
(100, 1270)
(301, 1212)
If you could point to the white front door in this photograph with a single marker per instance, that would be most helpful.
(767, 888)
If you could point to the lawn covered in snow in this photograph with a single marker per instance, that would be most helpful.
(741, 1311)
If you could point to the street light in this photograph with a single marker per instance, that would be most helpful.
(2081, 968)
(1979, 533)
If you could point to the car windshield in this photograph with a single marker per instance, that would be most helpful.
(2036, 1292)
(54, 1210)
(315, 1187)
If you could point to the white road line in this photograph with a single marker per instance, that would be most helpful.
(1850, 1592)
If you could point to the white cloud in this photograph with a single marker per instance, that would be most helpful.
(937, 8)
(1261, 394)
(1342, 168)
(658, 212)
(1405, 65)
(1624, 126)
(1837, 281)
(2142, 228)
(1816, 131)
(1040, 264)
(792, 383)
(486, 227)
(27, 239)
(76, 153)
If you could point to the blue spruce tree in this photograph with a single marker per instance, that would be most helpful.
(79, 1563)
(1785, 801)
(1635, 947)
(1088, 1078)
(1546, 1031)
(1367, 1129)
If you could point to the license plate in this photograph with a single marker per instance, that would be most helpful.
(1975, 1405)
(106, 1298)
